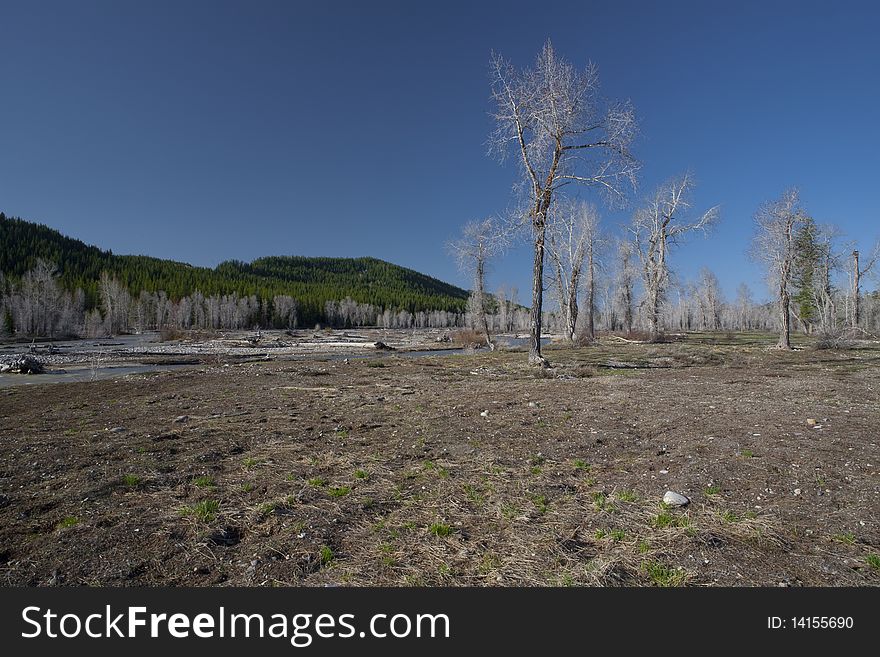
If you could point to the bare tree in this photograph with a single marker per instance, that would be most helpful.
(553, 118)
(479, 242)
(658, 227)
(858, 269)
(774, 244)
(572, 238)
(626, 275)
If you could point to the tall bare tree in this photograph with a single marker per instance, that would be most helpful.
(658, 227)
(573, 241)
(479, 242)
(776, 224)
(860, 267)
(562, 132)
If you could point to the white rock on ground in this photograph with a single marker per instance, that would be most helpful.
(675, 499)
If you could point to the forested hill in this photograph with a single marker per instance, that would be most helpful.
(311, 281)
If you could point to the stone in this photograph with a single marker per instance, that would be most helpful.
(675, 499)
(484, 413)
(181, 419)
(811, 421)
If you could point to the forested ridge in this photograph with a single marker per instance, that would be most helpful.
(312, 282)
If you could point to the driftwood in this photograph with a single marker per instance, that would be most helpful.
(25, 364)
(617, 337)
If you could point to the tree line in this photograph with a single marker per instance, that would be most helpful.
(54, 285)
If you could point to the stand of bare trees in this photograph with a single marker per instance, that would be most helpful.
(658, 227)
(574, 241)
(38, 305)
(624, 297)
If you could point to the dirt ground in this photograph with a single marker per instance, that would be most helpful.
(453, 470)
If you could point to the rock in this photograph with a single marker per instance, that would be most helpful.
(533, 404)
(181, 419)
(484, 413)
(811, 421)
(381, 346)
(117, 429)
(675, 499)
(664, 471)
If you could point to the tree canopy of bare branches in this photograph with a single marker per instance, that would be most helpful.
(657, 227)
(562, 132)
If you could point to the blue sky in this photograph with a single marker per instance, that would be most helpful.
(203, 131)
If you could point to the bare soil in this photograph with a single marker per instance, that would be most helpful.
(453, 470)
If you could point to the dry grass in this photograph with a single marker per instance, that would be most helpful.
(328, 472)
(468, 338)
(445, 522)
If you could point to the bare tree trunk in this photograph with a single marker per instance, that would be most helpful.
(591, 293)
(571, 316)
(567, 305)
(481, 302)
(535, 357)
(856, 291)
(654, 316)
(785, 330)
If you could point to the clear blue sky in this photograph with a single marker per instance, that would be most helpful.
(203, 131)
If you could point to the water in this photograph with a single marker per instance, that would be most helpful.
(79, 374)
